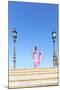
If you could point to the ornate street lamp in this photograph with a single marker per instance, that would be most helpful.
(54, 53)
(14, 40)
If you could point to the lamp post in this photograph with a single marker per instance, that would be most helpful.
(14, 40)
(54, 54)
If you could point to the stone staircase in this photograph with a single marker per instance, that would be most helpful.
(21, 78)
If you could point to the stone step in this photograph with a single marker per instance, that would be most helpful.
(33, 70)
(42, 82)
(24, 71)
(31, 73)
(32, 76)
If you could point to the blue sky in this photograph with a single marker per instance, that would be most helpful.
(34, 23)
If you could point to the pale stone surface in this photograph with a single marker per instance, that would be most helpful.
(33, 77)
